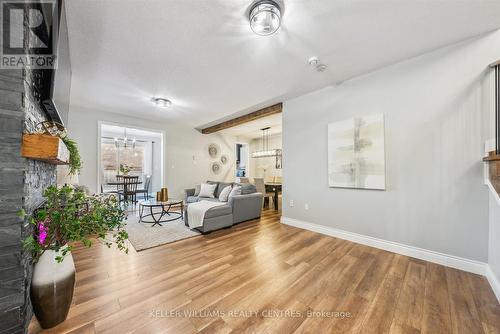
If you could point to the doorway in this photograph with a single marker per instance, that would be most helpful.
(242, 156)
(132, 151)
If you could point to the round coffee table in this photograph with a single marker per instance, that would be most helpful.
(165, 215)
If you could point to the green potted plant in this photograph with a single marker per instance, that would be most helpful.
(67, 216)
(124, 169)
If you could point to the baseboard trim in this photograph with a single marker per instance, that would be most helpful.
(456, 262)
(494, 282)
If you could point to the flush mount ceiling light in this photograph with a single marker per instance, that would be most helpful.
(314, 62)
(161, 102)
(265, 17)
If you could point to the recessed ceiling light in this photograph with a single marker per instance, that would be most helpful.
(161, 102)
(265, 17)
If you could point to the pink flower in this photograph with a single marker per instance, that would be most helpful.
(42, 231)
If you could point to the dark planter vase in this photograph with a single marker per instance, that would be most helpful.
(52, 288)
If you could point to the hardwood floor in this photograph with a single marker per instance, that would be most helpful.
(293, 279)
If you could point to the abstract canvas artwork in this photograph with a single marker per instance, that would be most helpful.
(356, 153)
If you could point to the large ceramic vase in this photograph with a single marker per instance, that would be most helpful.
(52, 288)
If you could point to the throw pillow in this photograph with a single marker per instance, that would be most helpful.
(197, 189)
(221, 187)
(234, 192)
(224, 194)
(207, 190)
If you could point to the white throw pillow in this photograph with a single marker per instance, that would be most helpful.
(197, 190)
(207, 190)
(224, 194)
(235, 191)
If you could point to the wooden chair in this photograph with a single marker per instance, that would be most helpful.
(119, 178)
(145, 191)
(129, 191)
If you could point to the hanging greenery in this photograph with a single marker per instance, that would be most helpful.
(75, 162)
(57, 129)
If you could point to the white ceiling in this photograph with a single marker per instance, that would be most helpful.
(252, 130)
(203, 56)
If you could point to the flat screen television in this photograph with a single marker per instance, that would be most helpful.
(57, 99)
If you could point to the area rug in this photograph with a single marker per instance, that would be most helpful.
(144, 236)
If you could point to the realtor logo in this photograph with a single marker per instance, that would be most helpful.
(28, 34)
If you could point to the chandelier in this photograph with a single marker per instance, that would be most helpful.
(266, 152)
(125, 142)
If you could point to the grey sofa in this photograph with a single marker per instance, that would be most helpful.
(238, 209)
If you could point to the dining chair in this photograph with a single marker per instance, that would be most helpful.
(244, 180)
(261, 188)
(145, 191)
(119, 178)
(130, 188)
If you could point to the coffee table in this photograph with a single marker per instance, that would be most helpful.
(165, 215)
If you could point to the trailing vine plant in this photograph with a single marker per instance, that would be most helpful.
(70, 216)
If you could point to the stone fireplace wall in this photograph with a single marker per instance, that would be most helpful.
(21, 184)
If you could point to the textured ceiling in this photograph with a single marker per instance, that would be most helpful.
(203, 56)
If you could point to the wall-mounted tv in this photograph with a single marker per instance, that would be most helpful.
(57, 98)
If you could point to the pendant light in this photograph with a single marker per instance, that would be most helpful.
(266, 152)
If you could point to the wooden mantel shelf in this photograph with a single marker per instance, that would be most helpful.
(492, 156)
(45, 148)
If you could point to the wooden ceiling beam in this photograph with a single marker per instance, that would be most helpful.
(267, 111)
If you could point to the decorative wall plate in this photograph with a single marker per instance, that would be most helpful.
(216, 167)
(213, 151)
(224, 159)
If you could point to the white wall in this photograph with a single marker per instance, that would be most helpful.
(436, 119)
(257, 165)
(494, 236)
(186, 156)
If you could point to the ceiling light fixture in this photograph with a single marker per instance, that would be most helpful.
(265, 17)
(314, 62)
(161, 102)
(125, 141)
(266, 152)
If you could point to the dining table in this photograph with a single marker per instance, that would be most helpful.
(275, 188)
(124, 185)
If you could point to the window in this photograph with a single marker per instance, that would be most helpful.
(112, 156)
(140, 151)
